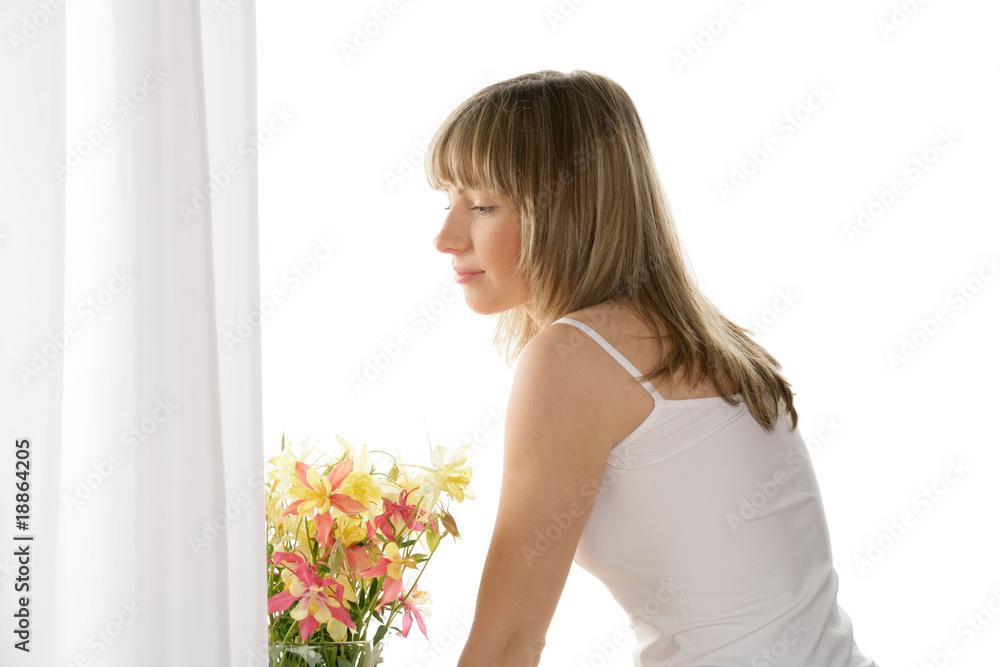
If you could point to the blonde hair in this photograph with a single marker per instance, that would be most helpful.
(570, 153)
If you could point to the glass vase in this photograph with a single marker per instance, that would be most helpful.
(324, 654)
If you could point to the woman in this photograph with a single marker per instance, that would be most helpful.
(687, 489)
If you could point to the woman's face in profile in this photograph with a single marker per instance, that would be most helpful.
(482, 233)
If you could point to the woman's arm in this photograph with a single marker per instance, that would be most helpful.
(555, 450)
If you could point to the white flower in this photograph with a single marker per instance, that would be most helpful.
(451, 476)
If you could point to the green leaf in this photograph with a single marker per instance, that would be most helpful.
(379, 634)
(343, 662)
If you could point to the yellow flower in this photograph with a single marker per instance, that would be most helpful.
(314, 494)
(284, 464)
(362, 487)
(274, 508)
(448, 476)
(394, 568)
(350, 530)
(296, 533)
(337, 630)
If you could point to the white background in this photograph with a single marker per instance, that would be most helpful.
(348, 169)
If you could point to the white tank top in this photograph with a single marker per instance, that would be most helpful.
(710, 533)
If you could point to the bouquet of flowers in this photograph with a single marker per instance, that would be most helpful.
(341, 537)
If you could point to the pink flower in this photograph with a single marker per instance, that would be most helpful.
(390, 564)
(397, 516)
(320, 493)
(413, 607)
(319, 599)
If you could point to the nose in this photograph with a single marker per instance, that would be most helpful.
(450, 239)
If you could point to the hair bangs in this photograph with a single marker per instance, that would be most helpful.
(472, 149)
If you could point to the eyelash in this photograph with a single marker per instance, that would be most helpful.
(483, 210)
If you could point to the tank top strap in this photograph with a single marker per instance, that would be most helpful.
(610, 349)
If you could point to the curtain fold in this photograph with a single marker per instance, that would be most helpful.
(129, 251)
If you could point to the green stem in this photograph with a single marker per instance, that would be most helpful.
(289, 633)
(364, 627)
(394, 609)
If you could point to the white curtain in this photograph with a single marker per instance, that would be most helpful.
(128, 258)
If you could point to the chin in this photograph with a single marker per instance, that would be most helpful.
(484, 309)
(488, 306)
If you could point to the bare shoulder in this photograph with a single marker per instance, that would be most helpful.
(555, 360)
(563, 380)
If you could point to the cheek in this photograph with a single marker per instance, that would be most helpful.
(511, 241)
(499, 249)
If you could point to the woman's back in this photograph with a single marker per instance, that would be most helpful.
(563, 205)
(710, 531)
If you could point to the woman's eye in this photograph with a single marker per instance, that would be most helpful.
(483, 210)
